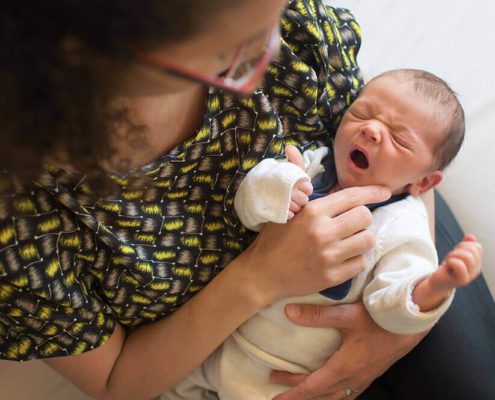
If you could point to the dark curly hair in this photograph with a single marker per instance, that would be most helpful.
(47, 103)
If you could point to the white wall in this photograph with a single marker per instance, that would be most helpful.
(455, 40)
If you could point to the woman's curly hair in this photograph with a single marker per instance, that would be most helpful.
(47, 103)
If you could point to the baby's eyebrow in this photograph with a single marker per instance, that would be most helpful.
(364, 103)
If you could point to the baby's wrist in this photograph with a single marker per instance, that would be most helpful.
(428, 296)
(439, 285)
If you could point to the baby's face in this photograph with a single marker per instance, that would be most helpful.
(388, 137)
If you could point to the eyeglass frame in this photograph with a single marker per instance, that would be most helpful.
(225, 82)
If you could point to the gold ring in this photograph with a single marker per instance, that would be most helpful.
(349, 392)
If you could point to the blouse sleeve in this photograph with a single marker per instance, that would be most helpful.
(48, 306)
(316, 76)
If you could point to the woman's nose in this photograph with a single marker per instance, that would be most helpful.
(374, 131)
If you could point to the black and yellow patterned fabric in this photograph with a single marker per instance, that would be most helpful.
(72, 264)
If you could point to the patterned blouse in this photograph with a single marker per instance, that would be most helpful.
(73, 264)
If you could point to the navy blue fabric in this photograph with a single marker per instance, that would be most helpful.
(321, 186)
(323, 182)
(456, 361)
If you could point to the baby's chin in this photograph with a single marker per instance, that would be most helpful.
(348, 179)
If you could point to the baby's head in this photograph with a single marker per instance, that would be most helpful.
(405, 127)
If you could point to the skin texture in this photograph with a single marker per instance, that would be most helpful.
(151, 359)
(398, 131)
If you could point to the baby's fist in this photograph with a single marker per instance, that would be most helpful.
(462, 265)
(299, 196)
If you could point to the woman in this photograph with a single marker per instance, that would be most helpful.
(98, 269)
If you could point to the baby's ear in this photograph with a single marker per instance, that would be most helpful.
(427, 182)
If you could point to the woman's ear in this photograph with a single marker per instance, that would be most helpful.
(427, 182)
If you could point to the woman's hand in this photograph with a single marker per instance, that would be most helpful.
(320, 247)
(367, 351)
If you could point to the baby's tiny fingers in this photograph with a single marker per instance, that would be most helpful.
(467, 244)
(477, 252)
(474, 247)
(466, 255)
(299, 197)
(469, 237)
(294, 207)
(457, 271)
(304, 186)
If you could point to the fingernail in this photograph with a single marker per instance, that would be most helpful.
(294, 311)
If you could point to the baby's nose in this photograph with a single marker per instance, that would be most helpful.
(374, 131)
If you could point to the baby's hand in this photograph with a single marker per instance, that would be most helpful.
(461, 266)
(303, 188)
(299, 196)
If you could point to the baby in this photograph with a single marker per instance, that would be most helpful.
(401, 132)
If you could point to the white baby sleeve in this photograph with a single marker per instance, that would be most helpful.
(408, 256)
(264, 194)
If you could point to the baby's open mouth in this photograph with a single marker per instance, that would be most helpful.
(359, 159)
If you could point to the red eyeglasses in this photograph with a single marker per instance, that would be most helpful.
(240, 77)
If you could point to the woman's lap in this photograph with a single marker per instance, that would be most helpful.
(456, 361)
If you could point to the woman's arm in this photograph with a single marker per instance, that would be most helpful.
(154, 357)
(318, 248)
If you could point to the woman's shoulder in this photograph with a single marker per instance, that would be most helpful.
(315, 77)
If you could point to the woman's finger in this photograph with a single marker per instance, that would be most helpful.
(318, 382)
(345, 270)
(287, 378)
(350, 222)
(340, 316)
(355, 239)
(339, 202)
